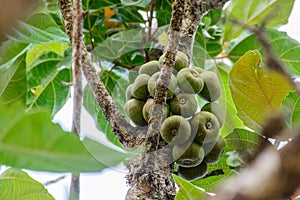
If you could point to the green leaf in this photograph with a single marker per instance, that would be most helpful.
(29, 34)
(164, 8)
(37, 50)
(139, 3)
(251, 12)
(187, 190)
(226, 102)
(291, 107)
(119, 44)
(256, 91)
(30, 140)
(96, 4)
(45, 88)
(104, 154)
(199, 51)
(240, 139)
(13, 72)
(286, 49)
(128, 14)
(209, 183)
(15, 86)
(17, 184)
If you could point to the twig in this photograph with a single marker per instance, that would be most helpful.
(55, 180)
(77, 80)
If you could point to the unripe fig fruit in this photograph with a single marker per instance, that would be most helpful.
(189, 80)
(139, 88)
(198, 69)
(205, 126)
(181, 61)
(214, 154)
(215, 109)
(175, 130)
(211, 90)
(148, 107)
(189, 155)
(128, 92)
(133, 108)
(152, 85)
(193, 173)
(184, 104)
(149, 68)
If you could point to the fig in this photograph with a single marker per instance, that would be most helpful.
(215, 109)
(205, 126)
(199, 70)
(128, 92)
(181, 61)
(152, 85)
(147, 109)
(149, 68)
(214, 154)
(175, 130)
(134, 110)
(184, 104)
(190, 81)
(193, 173)
(188, 155)
(139, 88)
(211, 90)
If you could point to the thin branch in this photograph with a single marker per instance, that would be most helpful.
(55, 180)
(129, 136)
(77, 81)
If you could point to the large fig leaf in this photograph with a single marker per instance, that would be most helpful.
(187, 190)
(291, 107)
(30, 140)
(251, 12)
(286, 49)
(13, 71)
(44, 83)
(256, 91)
(17, 184)
(231, 119)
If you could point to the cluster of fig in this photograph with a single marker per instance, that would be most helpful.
(191, 130)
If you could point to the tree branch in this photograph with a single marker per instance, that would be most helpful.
(194, 11)
(129, 136)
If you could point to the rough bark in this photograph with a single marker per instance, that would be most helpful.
(150, 174)
(194, 11)
(129, 136)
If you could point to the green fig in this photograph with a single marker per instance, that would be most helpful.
(189, 80)
(198, 69)
(175, 130)
(139, 88)
(147, 109)
(215, 109)
(181, 61)
(149, 68)
(214, 154)
(211, 90)
(188, 155)
(184, 104)
(193, 173)
(205, 126)
(134, 110)
(128, 92)
(152, 85)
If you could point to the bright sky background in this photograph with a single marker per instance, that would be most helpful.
(110, 184)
